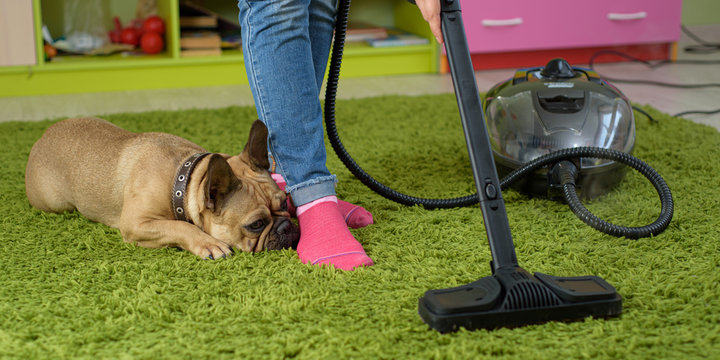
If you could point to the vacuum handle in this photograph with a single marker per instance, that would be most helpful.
(476, 137)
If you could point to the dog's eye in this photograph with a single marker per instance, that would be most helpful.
(284, 206)
(257, 226)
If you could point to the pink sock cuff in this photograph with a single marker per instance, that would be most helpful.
(277, 177)
(302, 208)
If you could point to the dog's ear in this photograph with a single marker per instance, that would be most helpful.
(220, 181)
(256, 147)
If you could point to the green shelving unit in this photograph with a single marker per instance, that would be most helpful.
(85, 74)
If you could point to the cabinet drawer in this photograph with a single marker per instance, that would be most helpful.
(515, 25)
(623, 22)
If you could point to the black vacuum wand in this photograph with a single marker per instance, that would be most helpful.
(511, 296)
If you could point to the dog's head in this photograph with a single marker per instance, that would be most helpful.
(240, 204)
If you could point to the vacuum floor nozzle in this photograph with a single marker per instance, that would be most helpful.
(513, 297)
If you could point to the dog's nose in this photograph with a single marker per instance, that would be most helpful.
(288, 232)
(284, 228)
(284, 235)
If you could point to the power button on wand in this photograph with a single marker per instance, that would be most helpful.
(491, 191)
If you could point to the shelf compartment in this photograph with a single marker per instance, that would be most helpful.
(170, 70)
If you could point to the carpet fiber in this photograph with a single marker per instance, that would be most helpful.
(71, 288)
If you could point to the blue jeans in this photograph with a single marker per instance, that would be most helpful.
(286, 45)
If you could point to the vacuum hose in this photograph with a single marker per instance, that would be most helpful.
(565, 173)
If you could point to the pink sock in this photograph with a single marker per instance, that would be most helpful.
(355, 216)
(325, 238)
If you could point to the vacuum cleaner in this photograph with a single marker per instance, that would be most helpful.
(545, 109)
(555, 126)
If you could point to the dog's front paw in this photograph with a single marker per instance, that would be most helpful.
(211, 250)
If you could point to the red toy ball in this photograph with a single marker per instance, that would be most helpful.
(129, 36)
(154, 24)
(151, 43)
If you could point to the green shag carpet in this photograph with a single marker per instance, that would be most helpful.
(71, 288)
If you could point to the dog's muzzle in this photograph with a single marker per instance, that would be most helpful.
(284, 234)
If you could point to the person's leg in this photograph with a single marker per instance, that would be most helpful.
(278, 53)
(321, 24)
(322, 27)
(279, 63)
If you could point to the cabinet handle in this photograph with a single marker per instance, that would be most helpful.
(502, 22)
(627, 16)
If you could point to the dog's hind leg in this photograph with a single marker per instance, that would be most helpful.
(45, 191)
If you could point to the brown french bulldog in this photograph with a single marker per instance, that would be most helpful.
(161, 190)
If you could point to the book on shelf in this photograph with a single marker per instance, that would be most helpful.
(359, 31)
(197, 9)
(204, 32)
(398, 38)
(198, 22)
(232, 41)
(200, 52)
(203, 39)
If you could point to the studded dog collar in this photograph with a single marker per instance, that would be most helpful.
(182, 179)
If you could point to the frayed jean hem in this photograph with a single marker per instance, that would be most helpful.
(312, 190)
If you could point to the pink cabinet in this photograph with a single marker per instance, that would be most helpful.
(523, 25)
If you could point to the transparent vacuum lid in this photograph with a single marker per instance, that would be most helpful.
(531, 123)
